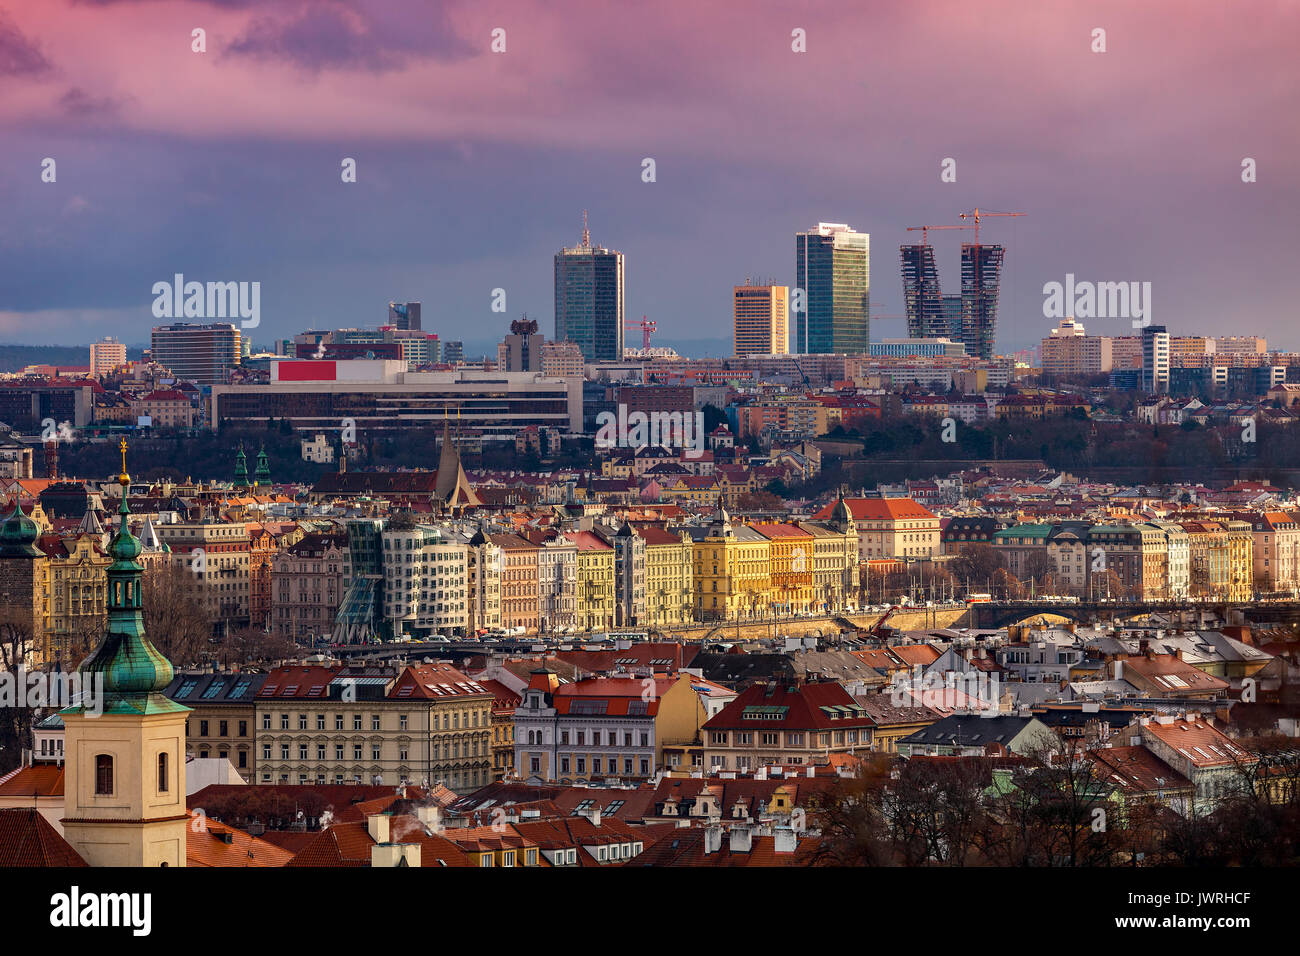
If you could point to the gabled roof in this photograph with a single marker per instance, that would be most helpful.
(1136, 770)
(349, 844)
(27, 839)
(611, 696)
(823, 706)
(1198, 742)
(37, 780)
(212, 843)
(879, 509)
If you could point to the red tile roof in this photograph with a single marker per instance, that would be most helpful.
(38, 780)
(28, 839)
(211, 843)
(1136, 770)
(1198, 742)
(802, 709)
(880, 509)
(299, 681)
(349, 844)
(622, 696)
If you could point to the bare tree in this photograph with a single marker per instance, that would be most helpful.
(248, 645)
(175, 619)
(16, 644)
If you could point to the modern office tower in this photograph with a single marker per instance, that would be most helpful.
(924, 303)
(981, 273)
(1069, 351)
(198, 353)
(833, 269)
(521, 350)
(453, 352)
(106, 355)
(761, 319)
(589, 299)
(404, 315)
(1155, 359)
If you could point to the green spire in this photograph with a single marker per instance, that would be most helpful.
(241, 468)
(133, 671)
(263, 473)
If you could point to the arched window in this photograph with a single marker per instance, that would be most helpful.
(103, 774)
(163, 785)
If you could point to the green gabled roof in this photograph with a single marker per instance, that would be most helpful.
(1025, 531)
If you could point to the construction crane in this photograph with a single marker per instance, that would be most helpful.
(977, 214)
(925, 230)
(646, 327)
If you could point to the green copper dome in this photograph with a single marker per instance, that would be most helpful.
(18, 534)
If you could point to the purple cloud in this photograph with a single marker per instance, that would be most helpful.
(18, 55)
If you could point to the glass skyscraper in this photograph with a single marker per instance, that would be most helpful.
(833, 271)
(589, 300)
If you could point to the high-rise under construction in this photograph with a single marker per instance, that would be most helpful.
(971, 318)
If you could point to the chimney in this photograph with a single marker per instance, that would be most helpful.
(785, 839)
(378, 825)
(389, 855)
(812, 771)
(741, 839)
(712, 839)
(430, 816)
(1119, 669)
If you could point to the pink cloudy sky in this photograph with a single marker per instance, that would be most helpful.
(474, 166)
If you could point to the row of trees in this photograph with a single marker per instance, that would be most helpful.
(980, 568)
(1052, 808)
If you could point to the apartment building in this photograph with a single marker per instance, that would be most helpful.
(424, 724)
(602, 728)
(897, 528)
(595, 595)
(778, 724)
(222, 718)
(216, 554)
(557, 584)
(308, 580)
(790, 550)
(1275, 550)
(732, 571)
(670, 596)
(520, 606)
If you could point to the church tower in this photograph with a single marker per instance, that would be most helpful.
(241, 468)
(262, 476)
(124, 783)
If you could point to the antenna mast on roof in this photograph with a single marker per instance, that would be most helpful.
(586, 235)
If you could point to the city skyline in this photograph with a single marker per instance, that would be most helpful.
(479, 164)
